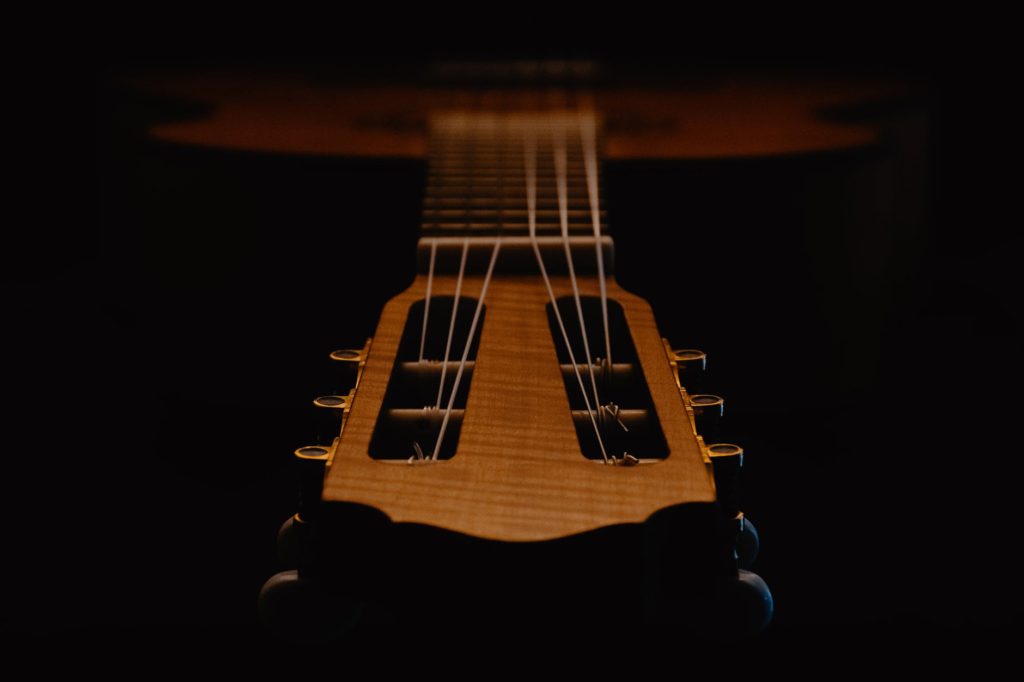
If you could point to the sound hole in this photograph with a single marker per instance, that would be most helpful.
(413, 409)
(626, 419)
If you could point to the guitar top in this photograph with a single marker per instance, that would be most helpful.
(709, 118)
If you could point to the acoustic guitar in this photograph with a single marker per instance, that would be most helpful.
(516, 438)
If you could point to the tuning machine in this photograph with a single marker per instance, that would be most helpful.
(350, 362)
(689, 365)
(707, 412)
(329, 415)
(727, 463)
(748, 593)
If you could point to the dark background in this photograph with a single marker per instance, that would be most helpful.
(859, 310)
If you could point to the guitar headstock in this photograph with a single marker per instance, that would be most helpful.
(519, 429)
(515, 393)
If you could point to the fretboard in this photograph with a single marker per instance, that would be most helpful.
(476, 184)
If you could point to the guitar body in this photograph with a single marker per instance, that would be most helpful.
(534, 505)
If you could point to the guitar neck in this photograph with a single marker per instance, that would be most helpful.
(476, 182)
(478, 186)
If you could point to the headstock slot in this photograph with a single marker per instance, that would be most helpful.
(411, 411)
(635, 429)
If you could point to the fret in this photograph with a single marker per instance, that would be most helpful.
(513, 187)
(506, 194)
(511, 226)
(514, 159)
(577, 203)
(516, 188)
(507, 212)
(514, 163)
(476, 178)
(484, 178)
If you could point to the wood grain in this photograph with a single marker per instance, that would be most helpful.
(518, 473)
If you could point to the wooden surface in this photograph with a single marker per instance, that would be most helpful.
(727, 117)
(518, 473)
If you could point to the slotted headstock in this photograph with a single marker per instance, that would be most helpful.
(516, 467)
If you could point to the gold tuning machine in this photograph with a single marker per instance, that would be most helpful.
(312, 461)
(352, 361)
(708, 411)
(689, 365)
(727, 460)
(330, 413)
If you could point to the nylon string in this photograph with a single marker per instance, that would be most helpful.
(588, 138)
(426, 305)
(558, 143)
(530, 153)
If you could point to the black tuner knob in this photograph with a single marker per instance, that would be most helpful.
(748, 542)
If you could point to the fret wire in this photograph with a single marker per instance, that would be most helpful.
(452, 213)
(470, 171)
(510, 225)
(491, 199)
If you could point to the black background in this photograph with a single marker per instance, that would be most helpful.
(859, 311)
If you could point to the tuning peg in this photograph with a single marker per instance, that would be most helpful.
(727, 460)
(736, 606)
(748, 542)
(708, 411)
(312, 460)
(293, 539)
(748, 604)
(690, 365)
(328, 414)
(350, 361)
(300, 609)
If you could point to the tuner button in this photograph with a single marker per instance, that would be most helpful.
(690, 364)
(293, 541)
(748, 542)
(286, 543)
(296, 609)
(733, 607)
(753, 603)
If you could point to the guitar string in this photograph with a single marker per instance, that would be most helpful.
(451, 324)
(530, 160)
(559, 152)
(426, 305)
(430, 286)
(469, 343)
(465, 351)
(588, 139)
(467, 212)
